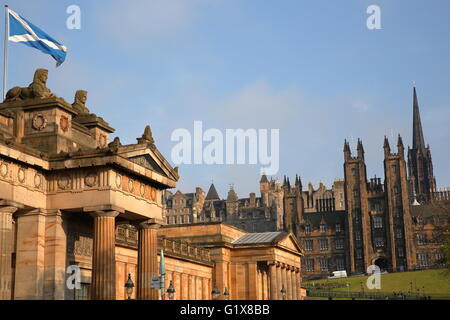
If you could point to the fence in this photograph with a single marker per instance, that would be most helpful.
(374, 295)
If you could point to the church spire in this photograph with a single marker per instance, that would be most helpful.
(418, 140)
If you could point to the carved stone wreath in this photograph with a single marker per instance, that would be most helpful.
(130, 185)
(37, 180)
(64, 123)
(102, 140)
(21, 175)
(91, 179)
(118, 181)
(64, 182)
(39, 122)
(3, 169)
(142, 190)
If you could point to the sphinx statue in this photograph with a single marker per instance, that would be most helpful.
(37, 89)
(79, 103)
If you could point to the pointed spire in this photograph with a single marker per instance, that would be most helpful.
(418, 139)
(360, 149)
(212, 193)
(346, 146)
(263, 178)
(288, 183)
(400, 147)
(387, 148)
(299, 183)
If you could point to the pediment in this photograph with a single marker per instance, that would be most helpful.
(148, 162)
(290, 243)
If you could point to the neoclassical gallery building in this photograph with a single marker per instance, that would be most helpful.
(71, 196)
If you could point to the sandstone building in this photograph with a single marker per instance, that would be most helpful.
(359, 222)
(70, 197)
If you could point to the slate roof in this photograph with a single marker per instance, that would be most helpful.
(260, 237)
(212, 193)
(429, 210)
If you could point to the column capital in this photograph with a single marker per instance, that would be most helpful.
(104, 208)
(96, 214)
(9, 206)
(152, 223)
(38, 212)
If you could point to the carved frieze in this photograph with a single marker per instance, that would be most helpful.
(80, 244)
(37, 180)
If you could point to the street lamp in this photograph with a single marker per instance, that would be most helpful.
(226, 294)
(283, 292)
(129, 285)
(171, 291)
(215, 292)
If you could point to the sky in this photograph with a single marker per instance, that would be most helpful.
(310, 68)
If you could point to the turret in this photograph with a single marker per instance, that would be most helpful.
(386, 147)
(400, 147)
(347, 152)
(360, 149)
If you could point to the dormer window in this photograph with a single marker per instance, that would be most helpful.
(308, 228)
(323, 228)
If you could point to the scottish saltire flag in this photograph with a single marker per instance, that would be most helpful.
(23, 31)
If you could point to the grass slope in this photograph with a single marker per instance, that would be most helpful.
(432, 281)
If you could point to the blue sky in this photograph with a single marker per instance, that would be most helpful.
(309, 68)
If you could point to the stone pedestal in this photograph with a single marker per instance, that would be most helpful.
(6, 250)
(147, 260)
(103, 259)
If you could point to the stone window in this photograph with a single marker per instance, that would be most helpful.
(323, 228)
(422, 259)
(401, 252)
(357, 236)
(310, 265)
(379, 242)
(168, 220)
(339, 244)
(323, 264)
(338, 227)
(399, 233)
(308, 229)
(309, 245)
(377, 222)
(340, 264)
(358, 253)
(323, 244)
(421, 239)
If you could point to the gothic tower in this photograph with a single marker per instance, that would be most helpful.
(420, 165)
(358, 231)
(293, 206)
(399, 220)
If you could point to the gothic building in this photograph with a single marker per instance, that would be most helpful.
(359, 222)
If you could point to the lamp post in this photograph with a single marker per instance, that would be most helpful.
(171, 291)
(226, 294)
(283, 292)
(215, 292)
(162, 271)
(129, 285)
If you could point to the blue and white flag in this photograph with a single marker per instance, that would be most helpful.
(23, 31)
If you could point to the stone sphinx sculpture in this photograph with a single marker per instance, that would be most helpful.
(37, 89)
(79, 103)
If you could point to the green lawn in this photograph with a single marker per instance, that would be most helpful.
(432, 281)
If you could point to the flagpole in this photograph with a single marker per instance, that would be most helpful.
(5, 53)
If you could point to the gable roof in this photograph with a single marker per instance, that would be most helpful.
(259, 237)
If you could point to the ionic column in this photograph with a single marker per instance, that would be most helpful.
(147, 259)
(6, 249)
(273, 281)
(103, 258)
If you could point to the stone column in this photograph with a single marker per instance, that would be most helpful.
(284, 281)
(288, 283)
(6, 250)
(294, 285)
(103, 285)
(147, 259)
(279, 282)
(273, 281)
(299, 283)
(252, 281)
